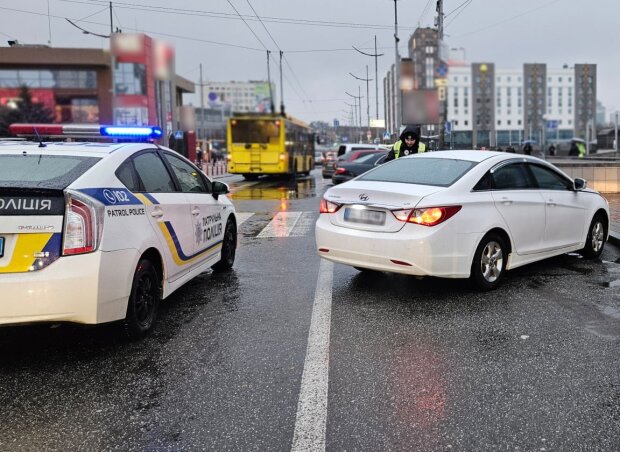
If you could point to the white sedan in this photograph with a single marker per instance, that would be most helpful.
(460, 214)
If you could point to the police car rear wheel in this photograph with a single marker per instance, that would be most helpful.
(144, 301)
(228, 248)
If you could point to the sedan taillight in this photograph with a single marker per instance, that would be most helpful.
(328, 206)
(83, 224)
(341, 171)
(428, 216)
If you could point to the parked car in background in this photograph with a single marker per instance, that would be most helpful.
(318, 157)
(329, 166)
(346, 148)
(348, 170)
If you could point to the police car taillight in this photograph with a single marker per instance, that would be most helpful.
(83, 224)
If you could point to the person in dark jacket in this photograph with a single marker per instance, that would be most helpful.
(408, 144)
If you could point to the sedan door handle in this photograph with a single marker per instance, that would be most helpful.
(195, 211)
(551, 203)
(157, 213)
(506, 201)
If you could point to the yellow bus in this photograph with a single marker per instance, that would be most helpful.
(263, 144)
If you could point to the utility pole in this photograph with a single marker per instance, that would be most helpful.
(397, 112)
(616, 134)
(271, 104)
(351, 114)
(440, 19)
(202, 106)
(367, 94)
(355, 108)
(359, 96)
(111, 21)
(375, 55)
(281, 87)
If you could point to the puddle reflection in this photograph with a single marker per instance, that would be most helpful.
(275, 189)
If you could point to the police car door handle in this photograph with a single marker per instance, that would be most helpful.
(506, 201)
(157, 213)
(196, 211)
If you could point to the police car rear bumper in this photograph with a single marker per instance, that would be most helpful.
(90, 288)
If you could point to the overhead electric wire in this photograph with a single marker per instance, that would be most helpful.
(284, 57)
(153, 32)
(195, 12)
(424, 12)
(517, 16)
(463, 8)
(465, 3)
(91, 15)
(263, 44)
(247, 24)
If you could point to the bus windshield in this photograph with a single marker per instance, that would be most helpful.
(255, 130)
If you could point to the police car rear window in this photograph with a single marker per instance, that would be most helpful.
(42, 171)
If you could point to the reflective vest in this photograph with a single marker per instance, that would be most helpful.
(398, 144)
(582, 149)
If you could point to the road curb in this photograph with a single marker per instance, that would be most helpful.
(614, 238)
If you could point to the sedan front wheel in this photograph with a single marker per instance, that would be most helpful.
(596, 238)
(489, 262)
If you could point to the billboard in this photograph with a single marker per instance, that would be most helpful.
(420, 107)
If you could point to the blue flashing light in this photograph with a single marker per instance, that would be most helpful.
(132, 132)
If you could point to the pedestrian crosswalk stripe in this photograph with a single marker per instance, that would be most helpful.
(304, 225)
(243, 216)
(281, 225)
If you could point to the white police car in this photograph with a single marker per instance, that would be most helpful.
(95, 232)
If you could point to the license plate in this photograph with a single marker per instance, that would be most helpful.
(365, 216)
(1, 246)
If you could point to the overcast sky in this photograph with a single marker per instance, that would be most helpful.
(317, 36)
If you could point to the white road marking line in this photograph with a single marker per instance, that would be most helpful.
(281, 225)
(310, 424)
(242, 217)
(305, 225)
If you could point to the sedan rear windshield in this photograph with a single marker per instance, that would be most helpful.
(421, 171)
(42, 171)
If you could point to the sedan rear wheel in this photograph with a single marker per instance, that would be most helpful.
(489, 262)
(596, 238)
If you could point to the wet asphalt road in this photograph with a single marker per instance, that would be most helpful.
(414, 364)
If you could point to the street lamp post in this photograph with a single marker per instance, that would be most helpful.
(397, 70)
(375, 55)
(367, 94)
(616, 133)
(355, 108)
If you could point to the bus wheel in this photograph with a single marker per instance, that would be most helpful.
(250, 176)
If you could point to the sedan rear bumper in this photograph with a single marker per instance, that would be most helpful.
(414, 250)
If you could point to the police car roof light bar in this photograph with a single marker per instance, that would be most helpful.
(86, 131)
(137, 132)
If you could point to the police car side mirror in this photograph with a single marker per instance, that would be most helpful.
(219, 188)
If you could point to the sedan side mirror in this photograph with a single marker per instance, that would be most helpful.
(579, 184)
(219, 188)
